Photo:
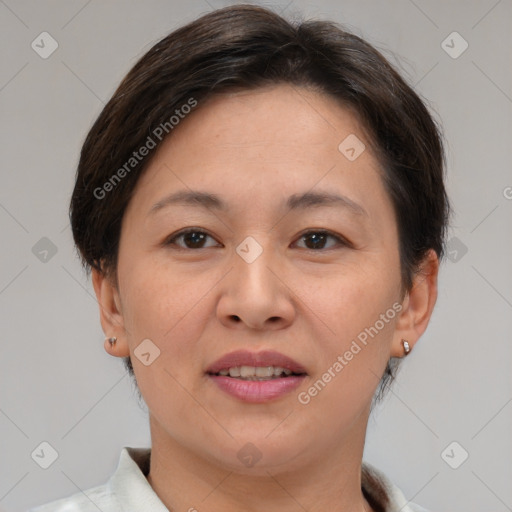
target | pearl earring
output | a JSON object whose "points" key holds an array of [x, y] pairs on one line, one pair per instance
{"points": [[112, 341]]}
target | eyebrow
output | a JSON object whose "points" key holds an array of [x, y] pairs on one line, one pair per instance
{"points": [[294, 202]]}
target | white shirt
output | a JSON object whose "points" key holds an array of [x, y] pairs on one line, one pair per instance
{"points": [[128, 490]]}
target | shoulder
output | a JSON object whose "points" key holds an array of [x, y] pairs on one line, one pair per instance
{"points": [[127, 489], [384, 493], [104, 497], [91, 500], [416, 508]]}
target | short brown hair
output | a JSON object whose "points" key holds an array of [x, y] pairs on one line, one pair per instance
{"points": [[246, 47]]}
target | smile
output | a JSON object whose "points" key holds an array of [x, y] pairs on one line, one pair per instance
{"points": [[256, 372]]}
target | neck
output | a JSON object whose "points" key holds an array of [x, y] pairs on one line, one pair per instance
{"points": [[186, 481]]}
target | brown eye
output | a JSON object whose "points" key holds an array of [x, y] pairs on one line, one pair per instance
{"points": [[192, 239], [316, 240]]}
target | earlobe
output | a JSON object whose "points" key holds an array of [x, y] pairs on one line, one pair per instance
{"points": [[111, 315], [418, 306]]}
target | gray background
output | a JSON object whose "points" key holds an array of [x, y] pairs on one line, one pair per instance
{"points": [[58, 384]]}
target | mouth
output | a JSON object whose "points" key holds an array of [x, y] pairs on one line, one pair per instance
{"points": [[256, 376], [264, 365], [259, 373]]}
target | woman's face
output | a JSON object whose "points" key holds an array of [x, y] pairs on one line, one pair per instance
{"points": [[259, 274]]}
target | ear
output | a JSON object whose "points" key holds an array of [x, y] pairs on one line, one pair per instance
{"points": [[111, 315], [417, 306]]}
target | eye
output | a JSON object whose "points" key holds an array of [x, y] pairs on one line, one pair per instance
{"points": [[317, 239], [192, 237]]}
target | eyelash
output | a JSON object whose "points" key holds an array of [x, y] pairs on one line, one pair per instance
{"points": [[340, 240]]}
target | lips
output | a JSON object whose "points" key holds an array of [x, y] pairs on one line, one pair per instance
{"points": [[257, 359], [288, 375]]}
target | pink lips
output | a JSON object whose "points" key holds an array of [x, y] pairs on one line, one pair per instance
{"points": [[246, 358], [256, 391]]}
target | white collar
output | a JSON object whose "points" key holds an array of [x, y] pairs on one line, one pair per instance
{"points": [[130, 486]]}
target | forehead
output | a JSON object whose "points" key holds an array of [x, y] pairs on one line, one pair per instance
{"points": [[261, 145], [280, 115]]}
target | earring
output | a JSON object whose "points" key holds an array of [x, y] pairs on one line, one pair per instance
{"points": [[112, 341], [407, 347]]}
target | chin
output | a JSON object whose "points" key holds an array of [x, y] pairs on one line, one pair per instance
{"points": [[260, 456]]}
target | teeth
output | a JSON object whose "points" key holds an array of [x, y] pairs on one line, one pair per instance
{"points": [[247, 372], [234, 372], [261, 371]]}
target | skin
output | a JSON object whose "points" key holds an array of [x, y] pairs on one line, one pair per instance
{"points": [[254, 149]]}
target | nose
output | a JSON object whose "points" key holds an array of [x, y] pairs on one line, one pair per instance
{"points": [[255, 293]]}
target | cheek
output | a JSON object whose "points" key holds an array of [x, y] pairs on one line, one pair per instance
{"points": [[155, 297], [354, 299], [352, 362], [169, 307], [357, 311], [165, 308]]}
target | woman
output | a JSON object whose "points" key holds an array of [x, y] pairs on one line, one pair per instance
{"points": [[263, 210]]}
